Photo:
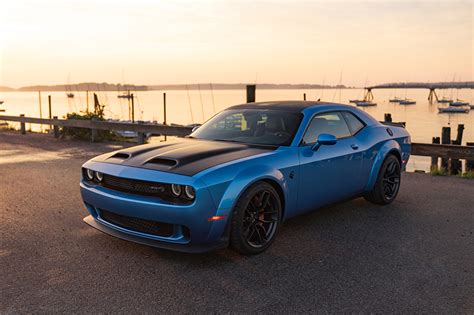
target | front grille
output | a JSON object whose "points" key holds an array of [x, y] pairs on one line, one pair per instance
{"points": [[134, 186], [138, 225]]}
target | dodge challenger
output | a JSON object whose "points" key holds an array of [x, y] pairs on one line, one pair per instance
{"points": [[236, 179]]}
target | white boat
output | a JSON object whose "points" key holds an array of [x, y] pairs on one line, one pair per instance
{"points": [[366, 103], [451, 109], [407, 102]]}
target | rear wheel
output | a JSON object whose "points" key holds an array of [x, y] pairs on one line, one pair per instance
{"points": [[388, 182], [255, 219]]}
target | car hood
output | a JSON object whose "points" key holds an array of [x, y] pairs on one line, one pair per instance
{"points": [[183, 156]]}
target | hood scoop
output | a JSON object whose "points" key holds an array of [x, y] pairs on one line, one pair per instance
{"points": [[162, 162], [120, 156]]}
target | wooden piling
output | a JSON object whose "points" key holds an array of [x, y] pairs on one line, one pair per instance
{"points": [[94, 132], [456, 165], [304, 96], [133, 107], [251, 93], [470, 163], [141, 138], [22, 126], [56, 129], [434, 159], [50, 112], [445, 139], [164, 110], [40, 110]]}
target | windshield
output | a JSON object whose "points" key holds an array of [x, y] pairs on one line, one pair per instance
{"points": [[256, 126]]}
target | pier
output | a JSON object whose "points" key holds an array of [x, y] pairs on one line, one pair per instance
{"points": [[432, 87]]}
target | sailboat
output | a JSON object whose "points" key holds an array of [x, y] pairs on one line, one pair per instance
{"points": [[69, 93], [407, 101]]}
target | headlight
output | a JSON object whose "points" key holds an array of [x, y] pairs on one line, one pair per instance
{"points": [[176, 190], [90, 174], [99, 176], [189, 192]]}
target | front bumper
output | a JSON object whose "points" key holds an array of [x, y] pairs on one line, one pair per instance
{"points": [[187, 248], [191, 229]]}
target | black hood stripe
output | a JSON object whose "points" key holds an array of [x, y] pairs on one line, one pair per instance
{"points": [[184, 156]]}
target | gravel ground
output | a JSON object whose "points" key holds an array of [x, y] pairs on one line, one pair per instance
{"points": [[414, 256]]}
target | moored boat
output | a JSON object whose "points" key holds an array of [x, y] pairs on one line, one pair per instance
{"points": [[451, 109], [407, 102], [458, 102], [365, 103], [395, 100], [355, 101], [445, 100]]}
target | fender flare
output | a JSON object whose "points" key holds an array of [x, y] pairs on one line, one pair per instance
{"points": [[244, 180], [387, 148]]}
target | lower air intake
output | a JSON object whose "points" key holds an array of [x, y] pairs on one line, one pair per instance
{"points": [[138, 225]]}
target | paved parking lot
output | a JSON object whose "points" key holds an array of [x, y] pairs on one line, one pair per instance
{"points": [[416, 255]]}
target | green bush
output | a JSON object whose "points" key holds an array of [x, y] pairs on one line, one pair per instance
{"points": [[84, 133]]}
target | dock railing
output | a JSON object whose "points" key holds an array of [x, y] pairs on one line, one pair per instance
{"points": [[141, 128]]}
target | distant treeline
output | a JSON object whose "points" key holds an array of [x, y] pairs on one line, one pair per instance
{"points": [[92, 86], [87, 86]]}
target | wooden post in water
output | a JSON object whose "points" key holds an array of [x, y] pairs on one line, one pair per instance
{"points": [[87, 101], [251, 93], [164, 110], [133, 108], [470, 163], [56, 129], [434, 159], [387, 117], [50, 113], [445, 139], [456, 165], [22, 126], [304, 96]]}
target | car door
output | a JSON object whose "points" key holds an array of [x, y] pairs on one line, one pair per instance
{"points": [[330, 173]]}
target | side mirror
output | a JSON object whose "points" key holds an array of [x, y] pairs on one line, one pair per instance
{"points": [[324, 139], [195, 128]]}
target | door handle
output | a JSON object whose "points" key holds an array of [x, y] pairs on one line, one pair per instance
{"points": [[354, 146]]}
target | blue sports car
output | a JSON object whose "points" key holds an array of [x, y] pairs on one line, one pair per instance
{"points": [[239, 176]]}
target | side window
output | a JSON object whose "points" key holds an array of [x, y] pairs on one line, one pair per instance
{"points": [[332, 123], [354, 123]]}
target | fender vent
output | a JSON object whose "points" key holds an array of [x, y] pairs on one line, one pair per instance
{"points": [[160, 161]]}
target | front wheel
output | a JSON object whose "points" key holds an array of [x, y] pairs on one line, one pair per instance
{"points": [[255, 219], [388, 182]]}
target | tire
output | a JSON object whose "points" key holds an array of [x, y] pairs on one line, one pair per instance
{"points": [[387, 184], [256, 219]]}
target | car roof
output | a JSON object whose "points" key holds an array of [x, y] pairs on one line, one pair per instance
{"points": [[291, 106]]}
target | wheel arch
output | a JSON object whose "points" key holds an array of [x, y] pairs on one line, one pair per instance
{"points": [[391, 147], [246, 179]]}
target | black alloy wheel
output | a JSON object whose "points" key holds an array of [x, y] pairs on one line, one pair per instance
{"points": [[256, 219], [387, 185]]}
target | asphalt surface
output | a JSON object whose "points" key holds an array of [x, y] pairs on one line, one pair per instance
{"points": [[414, 256]]}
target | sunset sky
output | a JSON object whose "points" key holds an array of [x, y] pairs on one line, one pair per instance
{"points": [[160, 42]]}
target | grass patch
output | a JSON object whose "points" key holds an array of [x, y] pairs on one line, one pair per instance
{"points": [[468, 174], [439, 171]]}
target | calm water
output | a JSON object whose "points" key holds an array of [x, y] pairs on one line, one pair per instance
{"points": [[423, 120]]}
